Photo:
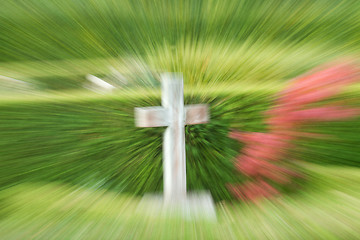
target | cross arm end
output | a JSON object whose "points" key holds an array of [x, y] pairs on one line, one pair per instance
{"points": [[150, 117], [196, 114]]}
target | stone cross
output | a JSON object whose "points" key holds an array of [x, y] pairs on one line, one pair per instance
{"points": [[173, 115]]}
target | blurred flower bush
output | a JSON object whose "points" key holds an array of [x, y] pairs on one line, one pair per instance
{"points": [[264, 159]]}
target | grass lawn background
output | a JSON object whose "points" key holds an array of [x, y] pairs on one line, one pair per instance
{"points": [[71, 161]]}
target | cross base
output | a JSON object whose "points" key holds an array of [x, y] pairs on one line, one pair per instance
{"points": [[196, 206]]}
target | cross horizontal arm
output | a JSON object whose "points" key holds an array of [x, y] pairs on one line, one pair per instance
{"points": [[151, 117], [196, 114]]}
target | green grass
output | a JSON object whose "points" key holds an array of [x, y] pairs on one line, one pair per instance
{"points": [[329, 209], [103, 28], [210, 42]]}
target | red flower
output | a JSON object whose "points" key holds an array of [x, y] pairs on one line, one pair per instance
{"points": [[285, 120]]}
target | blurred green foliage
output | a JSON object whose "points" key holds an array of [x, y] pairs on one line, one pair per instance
{"points": [[93, 141], [45, 30], [209, 41], [90, 143]]}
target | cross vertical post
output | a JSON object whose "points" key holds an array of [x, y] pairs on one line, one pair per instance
{"points": [[174, 162]]}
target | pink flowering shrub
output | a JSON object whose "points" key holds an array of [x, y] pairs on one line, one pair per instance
{"points": [[263, 156]]}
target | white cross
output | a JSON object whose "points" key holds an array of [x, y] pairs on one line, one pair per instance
{"points": [[174, 115]]}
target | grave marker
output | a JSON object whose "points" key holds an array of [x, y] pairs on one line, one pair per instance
{"points": [[174, 115]]}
